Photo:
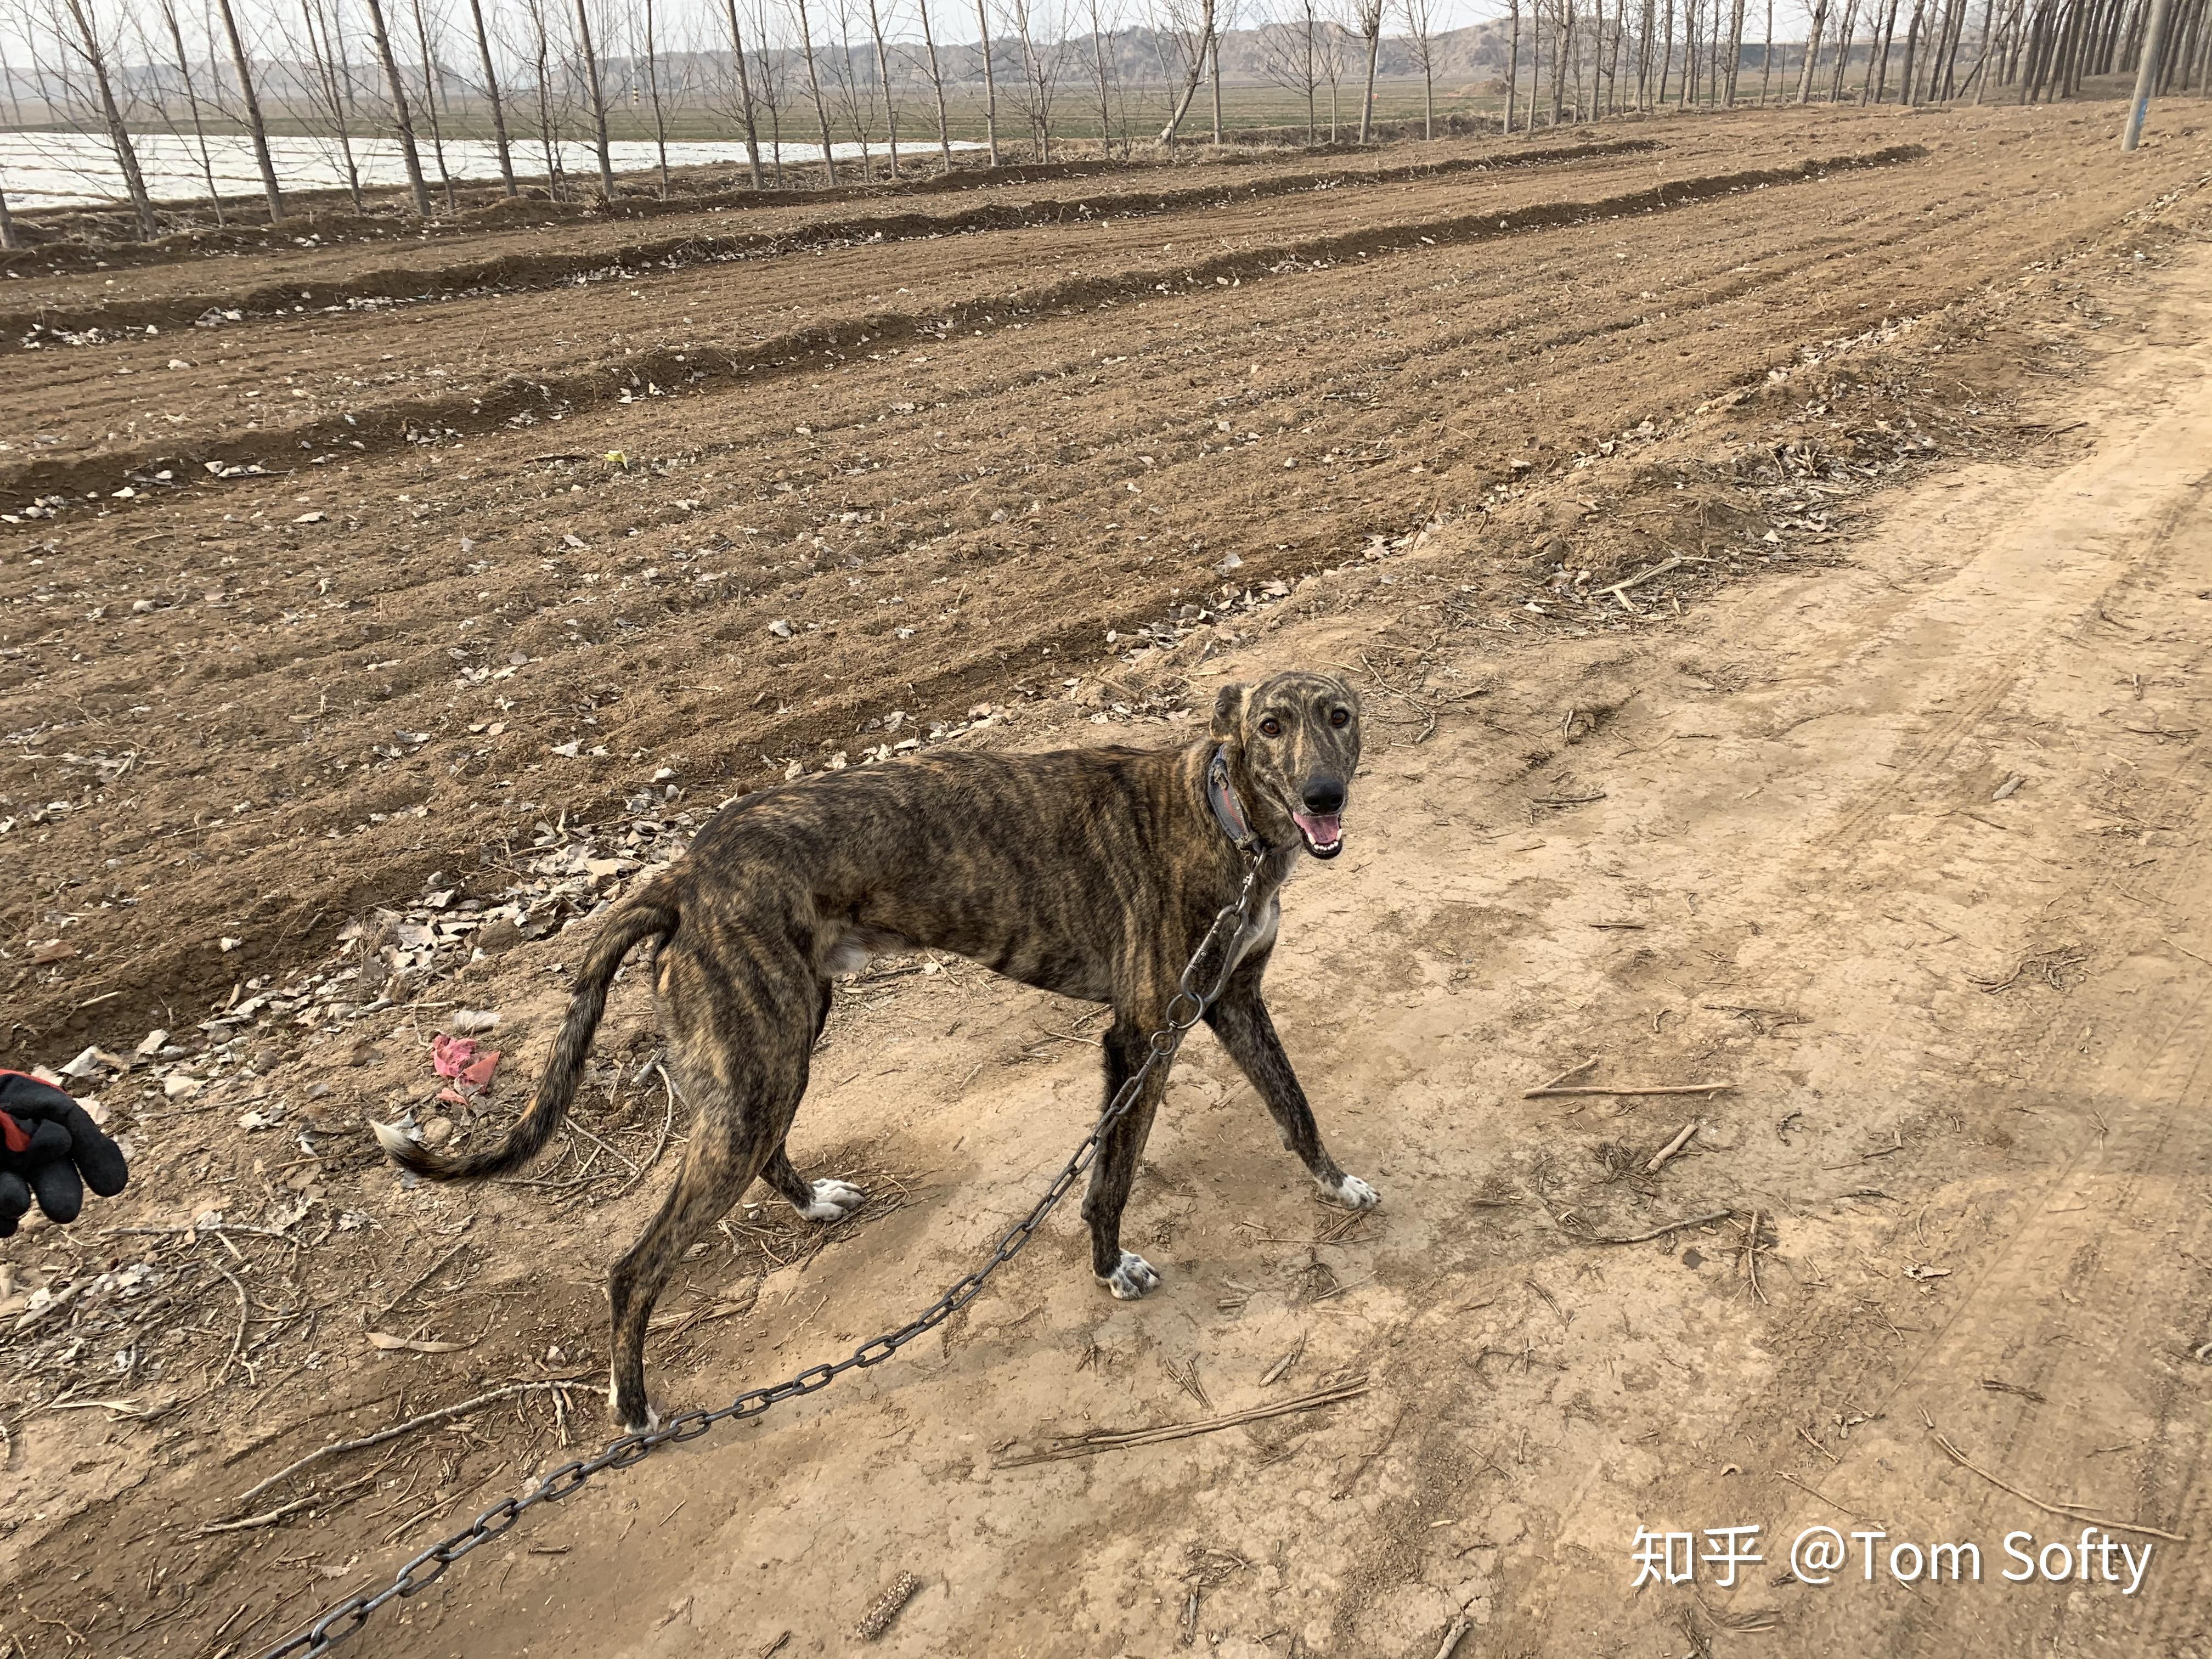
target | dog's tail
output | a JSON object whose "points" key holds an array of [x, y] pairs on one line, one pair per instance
{"points": [[652, 914]]}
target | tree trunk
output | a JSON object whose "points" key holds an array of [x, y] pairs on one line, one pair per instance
{"points": [[599, 99], [1214, 57], [89, 46], [193, 106], [430, 103], [324, 52], [1181, 108], [745, 89], [491, 96], [8, 239], [884, 74], [402, 125], [1513, 66], [1911, 50], [1812, 50], [1367, 99], [814, 86], [991, 89], [1734, 50], [254, 124], [937, 81]]}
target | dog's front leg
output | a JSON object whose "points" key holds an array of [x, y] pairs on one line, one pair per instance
{"points": [[1240, 1020], [1125, 1273]]}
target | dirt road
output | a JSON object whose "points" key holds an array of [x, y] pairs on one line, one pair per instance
{"points": [[1886, 814]]}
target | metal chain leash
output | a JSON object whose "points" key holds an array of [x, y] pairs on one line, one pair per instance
{"points": [[1184, 1010]]}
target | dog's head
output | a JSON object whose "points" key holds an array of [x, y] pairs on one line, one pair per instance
{"points": [[1293, 743]]}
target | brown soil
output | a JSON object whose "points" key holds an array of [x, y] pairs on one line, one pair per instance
{"points": [[1931, 427]]}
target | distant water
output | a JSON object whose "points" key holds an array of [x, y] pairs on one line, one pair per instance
{"points": [[73, 169]]}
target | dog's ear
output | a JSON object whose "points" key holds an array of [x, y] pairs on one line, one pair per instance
{"points": [[1229, 713]]}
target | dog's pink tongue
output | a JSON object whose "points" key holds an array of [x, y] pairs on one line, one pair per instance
{"points": [[1321, 828]]}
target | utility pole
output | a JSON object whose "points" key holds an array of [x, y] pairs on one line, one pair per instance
{"points": [[2146, 76]]}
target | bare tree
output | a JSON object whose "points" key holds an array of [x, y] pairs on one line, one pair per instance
{"points": [[396, 89], [1370, 15], [1812, 50], [430, 79], [1513, 59], [936, 82], [1291, 53], [541, 63], [492, 97], [814, 86], [884, 75], [78, 32], [990, 82], [1734, 50], [1098, 62], [1042, 62], [652, 93], [1222, 24], [174, 26], [858, 101], [327, 93], [1188, 27], [1845, 36], [774, 67], [589, 54], [1330, 55], [1420, 37], [255, 125], [744, 93]]}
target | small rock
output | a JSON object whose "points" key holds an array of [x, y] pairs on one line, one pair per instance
{"points": [[437, 1131]]}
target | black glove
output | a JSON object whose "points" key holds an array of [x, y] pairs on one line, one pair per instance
{"points": [[50, 1150]]}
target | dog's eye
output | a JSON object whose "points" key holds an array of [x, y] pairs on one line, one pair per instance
{"points": [[1340, 717], [1271, 727]]}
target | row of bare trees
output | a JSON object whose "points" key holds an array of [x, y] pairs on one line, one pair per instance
{"points": [[1585, 62], [354, 80]]}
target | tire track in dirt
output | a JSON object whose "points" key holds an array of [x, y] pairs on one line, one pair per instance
{"points": [[800, 351]]}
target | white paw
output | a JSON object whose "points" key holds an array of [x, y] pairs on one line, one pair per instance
{"points": [[1133, 1278], [1354, 1194], [652, 1415], [832, 1200]]}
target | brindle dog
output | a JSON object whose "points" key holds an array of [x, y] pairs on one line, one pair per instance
{"points": [[1090, 872]]}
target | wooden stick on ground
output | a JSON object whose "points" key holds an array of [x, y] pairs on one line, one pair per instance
{"points": [[1659, 1159], [2070, 1512], [1453, 1638], [270, 1517], [1088, 1445], [1657, 1233], [1672, 561], [1630, 1088], [337, 1448]]}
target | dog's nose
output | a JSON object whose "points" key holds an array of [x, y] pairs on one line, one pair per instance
{"points": [[1324, 795]]}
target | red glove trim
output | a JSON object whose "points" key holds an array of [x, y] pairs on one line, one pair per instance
{"points": [[13, 1135]]}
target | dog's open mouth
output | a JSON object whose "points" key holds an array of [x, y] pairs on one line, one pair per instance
{"points": [[1324, 832]]}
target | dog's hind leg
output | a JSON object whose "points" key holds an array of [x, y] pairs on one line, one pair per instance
{"points": [[817, 1200], [738, 1054], [1240, 1020], [1125, 1273]]}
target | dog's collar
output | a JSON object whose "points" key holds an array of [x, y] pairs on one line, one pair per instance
{"points": [[1228, 810]]}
